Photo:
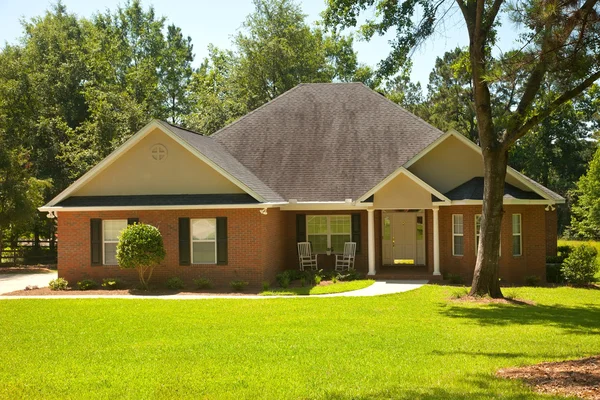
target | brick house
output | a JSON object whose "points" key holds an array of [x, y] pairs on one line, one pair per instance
{"points": [[325, 163]]}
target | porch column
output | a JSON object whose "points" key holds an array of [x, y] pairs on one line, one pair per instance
{"points": [[436, 241], [371, 237]]}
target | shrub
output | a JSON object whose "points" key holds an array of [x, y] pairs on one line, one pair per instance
{"points": [[238, 286], [532, 280], [266, 286], [58, 284], [455, 279], [334, 279], [303, 281], [580, 266], [141, 247], [562, 252], [87, 284], [112, 283], [174, 283], [349, 276], [317, 279], [203, 283], [283, 279]]}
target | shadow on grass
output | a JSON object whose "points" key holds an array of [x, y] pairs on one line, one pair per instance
{"points": [[480, 387], [575, 319]]}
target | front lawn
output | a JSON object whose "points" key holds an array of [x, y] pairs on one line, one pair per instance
{"points": [[338, 287], [413, 345]]}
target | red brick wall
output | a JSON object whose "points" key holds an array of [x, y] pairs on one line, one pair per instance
{"points": [[551, 232], [255, 247], [512, 268]]}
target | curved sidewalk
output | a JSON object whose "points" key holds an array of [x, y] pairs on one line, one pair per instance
{"points": [[376, 289]]}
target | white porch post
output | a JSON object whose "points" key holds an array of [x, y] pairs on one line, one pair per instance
{"points": [[371, 237], [436, 241]]}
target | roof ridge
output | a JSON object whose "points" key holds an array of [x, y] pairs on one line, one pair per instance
{"points": [[245, 116], [183, 128]]}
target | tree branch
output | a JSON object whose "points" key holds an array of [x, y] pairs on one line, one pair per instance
{"points": [[537, 118], [492, 17]]}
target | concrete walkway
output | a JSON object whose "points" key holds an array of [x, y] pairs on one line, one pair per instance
{"points": [[12, 282], [376, 289]]}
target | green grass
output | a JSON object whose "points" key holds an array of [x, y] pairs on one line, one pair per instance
{"points": [[313, 290], [593, 243], [413, 345]]}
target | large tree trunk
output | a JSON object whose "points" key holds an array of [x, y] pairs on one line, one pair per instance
{"points": [[486, 277]]}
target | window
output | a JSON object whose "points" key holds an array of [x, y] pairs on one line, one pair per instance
{"points": [[204, 241], [111, 229], [457, 235], [328, 231], [516, 234]]}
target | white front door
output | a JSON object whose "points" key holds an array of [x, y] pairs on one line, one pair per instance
{"points": [[401, 240]]}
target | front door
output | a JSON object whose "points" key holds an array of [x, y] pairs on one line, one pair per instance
{"points": [[400, 236]]}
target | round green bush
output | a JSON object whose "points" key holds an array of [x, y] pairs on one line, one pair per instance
{"points": [[580, 266], [141, 247], [58, 284]]}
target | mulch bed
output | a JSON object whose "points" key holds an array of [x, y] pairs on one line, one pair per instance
{"points": [[580, 378], [45, 291], [489, 300]]}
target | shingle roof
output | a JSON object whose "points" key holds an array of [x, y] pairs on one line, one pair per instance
{"points": [[157, 200], [473, 190], [326, 142], [220, 156], [552, 195]]}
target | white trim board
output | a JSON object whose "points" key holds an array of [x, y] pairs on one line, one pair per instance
{"points": [[132, 141]]}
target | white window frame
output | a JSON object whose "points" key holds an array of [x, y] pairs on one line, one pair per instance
{"points": [[520, 234], [329, 234], [192, 240], [108, 241], [454, 234]]}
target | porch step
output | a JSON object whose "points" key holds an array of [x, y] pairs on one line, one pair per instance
{"points": [[406, 277]]}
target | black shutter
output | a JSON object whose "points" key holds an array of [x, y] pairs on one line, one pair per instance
{"points": [[131, 221], [356, 231], [96, 240], [300, 228], [221, 240], [184, 241]]}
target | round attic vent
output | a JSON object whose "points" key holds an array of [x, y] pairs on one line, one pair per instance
{"points": [[158, 152]]}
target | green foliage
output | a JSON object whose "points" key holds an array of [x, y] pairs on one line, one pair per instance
{"points": [[455, 279], [58, 284], [112, 283], [238, 285], [585, 220], [203, 283], [554, 273], [266, 286], [532, 280], [174, 283], [581, 266], [87, 284], [141, 247], [317, 279]]}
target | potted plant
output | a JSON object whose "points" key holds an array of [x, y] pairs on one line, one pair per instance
{"points": [[329, 250]]}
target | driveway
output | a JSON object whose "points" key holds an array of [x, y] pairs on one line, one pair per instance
{"points": [[12, 282]]}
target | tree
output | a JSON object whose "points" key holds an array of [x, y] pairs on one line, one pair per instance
{"points": [[275, 51], [585, 218], [141, 247], [559, 55]]}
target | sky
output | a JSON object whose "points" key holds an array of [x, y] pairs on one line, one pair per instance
{"points": [[216, 21]]}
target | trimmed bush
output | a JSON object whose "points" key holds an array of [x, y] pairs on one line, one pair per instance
{"points": [[174, 283], [238, 286], [112, 283], [203, 283], [532, 280], [87, 284], [266, 286], [580, 266], [455, 279], [141, 247], [58, 284]]}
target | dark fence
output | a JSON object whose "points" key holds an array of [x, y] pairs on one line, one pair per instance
{"points": [[27, 252]]}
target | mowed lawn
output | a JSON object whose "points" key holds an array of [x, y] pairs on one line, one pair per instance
{"points": [[413, 345]]}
